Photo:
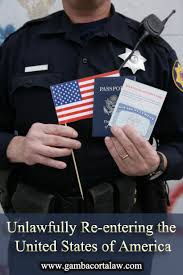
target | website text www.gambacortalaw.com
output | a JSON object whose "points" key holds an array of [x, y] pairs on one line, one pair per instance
{"points": [[83, 266]]}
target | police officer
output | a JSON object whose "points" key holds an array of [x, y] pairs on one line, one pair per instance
{"points": [[83, 40]]}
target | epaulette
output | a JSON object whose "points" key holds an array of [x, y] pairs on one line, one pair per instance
{"points": [[30, 23], [42, 19], [135, 25], [162, 43], [12, 35]]}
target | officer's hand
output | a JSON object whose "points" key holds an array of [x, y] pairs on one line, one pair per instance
{"points": [[42, 144], [133, 155]]}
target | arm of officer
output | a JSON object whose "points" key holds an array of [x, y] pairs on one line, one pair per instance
{"points": [[6, 112], [42, 144], [142, 158], [170, 127]]}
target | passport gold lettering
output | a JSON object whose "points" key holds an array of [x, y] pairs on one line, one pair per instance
{"points": [[110, 89]]}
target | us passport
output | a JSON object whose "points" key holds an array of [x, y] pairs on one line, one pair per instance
{"points": [[106, 93]]}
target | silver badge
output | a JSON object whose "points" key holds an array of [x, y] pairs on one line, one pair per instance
{"points": [[136, 62]]}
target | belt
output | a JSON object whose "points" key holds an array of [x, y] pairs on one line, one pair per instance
{"points": [[118, 196]]}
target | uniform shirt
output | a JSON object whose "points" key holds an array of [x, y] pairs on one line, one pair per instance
{"points": [[72, 53]]}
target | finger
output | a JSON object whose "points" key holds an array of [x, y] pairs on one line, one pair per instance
{"points": [[119, 148], [125, 142], [51, 162], [53, 152], [60, 130], [112, 150], [127, 166], [121, 151], [143, 146], [64, 142]]}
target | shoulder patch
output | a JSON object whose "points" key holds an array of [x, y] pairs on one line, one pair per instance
{"points": [[177, 74]]}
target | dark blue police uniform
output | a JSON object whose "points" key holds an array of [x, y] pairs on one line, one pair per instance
{"points": [[72, 52]]}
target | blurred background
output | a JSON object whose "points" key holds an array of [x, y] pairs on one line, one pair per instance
{"points": [[14, 13]]}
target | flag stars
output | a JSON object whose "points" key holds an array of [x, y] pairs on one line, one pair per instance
{"points": [[66, 93]]}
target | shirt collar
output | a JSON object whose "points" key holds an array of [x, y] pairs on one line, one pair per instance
{"points": [[122, 28], [117, 26]]}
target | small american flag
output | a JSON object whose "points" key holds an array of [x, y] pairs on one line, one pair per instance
{"points": [[74, 100]]}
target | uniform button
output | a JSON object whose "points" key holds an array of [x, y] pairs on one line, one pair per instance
{"points": [[134, 201], [85, 60], [28, 83], [135, 197]]}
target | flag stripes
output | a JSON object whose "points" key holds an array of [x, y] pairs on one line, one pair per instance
{"points": [[74, 100]]}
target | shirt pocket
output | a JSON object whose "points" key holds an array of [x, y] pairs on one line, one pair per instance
{"points": [[35, 80], [30, 96]]}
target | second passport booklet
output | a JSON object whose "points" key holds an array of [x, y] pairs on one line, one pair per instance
{"points": [[106, 93]]}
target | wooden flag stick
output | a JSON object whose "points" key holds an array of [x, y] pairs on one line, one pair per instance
{"points": [[77, 173]]}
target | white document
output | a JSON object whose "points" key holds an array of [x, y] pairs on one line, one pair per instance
{"points": [[138, 105]]}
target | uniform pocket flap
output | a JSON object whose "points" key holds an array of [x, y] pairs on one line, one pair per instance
{"points": [[39, 80]]}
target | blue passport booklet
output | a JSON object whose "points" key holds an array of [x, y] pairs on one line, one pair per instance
{"points": [[106, 93]]}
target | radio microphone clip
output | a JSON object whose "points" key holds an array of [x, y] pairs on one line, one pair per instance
{"points": [[150, 26]]}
